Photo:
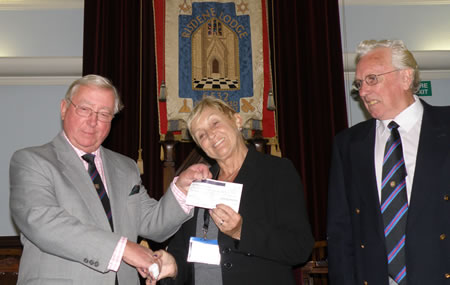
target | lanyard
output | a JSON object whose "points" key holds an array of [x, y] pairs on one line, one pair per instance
{"points": [[205, 222]]}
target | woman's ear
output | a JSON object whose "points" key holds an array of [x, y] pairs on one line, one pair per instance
{"points": [[238, 121]]}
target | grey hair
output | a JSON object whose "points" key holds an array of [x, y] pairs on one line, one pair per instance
{"points": [[402, 58], [97, 81]]}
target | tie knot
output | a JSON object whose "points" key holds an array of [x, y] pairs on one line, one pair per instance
{"points": [[393, 125], [89, 158]]}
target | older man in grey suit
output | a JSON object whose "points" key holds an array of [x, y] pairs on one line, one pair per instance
{"points": [[73, 234]]}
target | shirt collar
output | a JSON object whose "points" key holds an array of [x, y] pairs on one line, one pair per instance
{"points": [[406, 119], [79, 152]]}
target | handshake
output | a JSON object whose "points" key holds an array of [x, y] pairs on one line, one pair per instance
{"points": [[153, 265]]}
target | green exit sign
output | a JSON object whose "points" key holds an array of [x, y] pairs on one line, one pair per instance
{"points": [[425, 88]]}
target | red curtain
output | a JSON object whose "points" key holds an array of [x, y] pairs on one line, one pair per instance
{"points": [[308, 70], [111, 48], [308, 74]]}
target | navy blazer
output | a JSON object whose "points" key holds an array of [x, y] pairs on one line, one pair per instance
{"points": [[356, 243], [275, 233]]}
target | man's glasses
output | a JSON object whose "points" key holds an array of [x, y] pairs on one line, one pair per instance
{"points": [[86, 112], [371, 79]]}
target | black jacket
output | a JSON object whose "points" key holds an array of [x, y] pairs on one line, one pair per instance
{"points": [[275, 233]]}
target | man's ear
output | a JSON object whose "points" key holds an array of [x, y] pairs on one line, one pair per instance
{"points": [[407, 78], [63, 108]]}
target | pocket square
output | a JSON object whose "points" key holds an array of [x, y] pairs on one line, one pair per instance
{"points": [[135, 189]]}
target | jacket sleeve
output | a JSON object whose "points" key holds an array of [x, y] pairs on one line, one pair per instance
{"points": [[341, 257], [275, 221]]}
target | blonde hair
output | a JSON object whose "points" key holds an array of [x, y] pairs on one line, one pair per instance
{"points": [[209, 102]]}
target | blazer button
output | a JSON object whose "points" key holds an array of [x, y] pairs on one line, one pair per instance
{"points": [[96, 264], [357, 211], [442, 236], [226, 250], [446, 197], [447, 275], [86, 260], [91, 262], [228, 265]]}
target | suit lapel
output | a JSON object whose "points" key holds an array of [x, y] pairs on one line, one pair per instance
{"points": [[115, 181], [73, 169], [432, 160], [363, 156]]}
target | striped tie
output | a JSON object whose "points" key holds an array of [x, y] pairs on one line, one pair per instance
{"points": [[394, 204], [98, 184]]}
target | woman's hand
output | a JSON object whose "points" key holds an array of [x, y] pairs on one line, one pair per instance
{"points": [[227, 220], [167, 267]]}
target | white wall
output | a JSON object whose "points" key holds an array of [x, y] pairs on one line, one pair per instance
{"points": [[40, 54], [424, 27]]}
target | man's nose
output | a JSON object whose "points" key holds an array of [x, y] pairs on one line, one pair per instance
{"points": [[93, 118], [364, 89]]}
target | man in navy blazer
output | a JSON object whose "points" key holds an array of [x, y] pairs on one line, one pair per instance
{"points": [[387, 77]]}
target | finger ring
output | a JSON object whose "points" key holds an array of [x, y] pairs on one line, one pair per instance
{"points": [[221, 222]]}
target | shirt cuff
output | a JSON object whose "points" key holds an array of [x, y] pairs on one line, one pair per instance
{"points": [[180, 196], [116, 258]]}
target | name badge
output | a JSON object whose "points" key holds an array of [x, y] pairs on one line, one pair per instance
{"points": [[203, 251]]}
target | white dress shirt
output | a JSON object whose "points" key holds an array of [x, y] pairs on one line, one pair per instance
{"points": [[410, 122]]}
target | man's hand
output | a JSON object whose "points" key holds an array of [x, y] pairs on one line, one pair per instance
{"points": [[192, 173], [139, 257]]}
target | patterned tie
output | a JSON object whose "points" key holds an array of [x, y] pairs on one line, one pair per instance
{"points": [[98, 184], [394, 204]]}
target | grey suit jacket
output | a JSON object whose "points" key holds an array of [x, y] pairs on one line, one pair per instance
{"points": [[64, 230]]}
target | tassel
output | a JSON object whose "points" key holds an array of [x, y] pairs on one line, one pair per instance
{"points": [[161, 155], [140, 162], [275, 149], [270, 101], [162, 92]]}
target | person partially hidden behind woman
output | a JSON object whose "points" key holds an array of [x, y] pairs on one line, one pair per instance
{"points": [[270, 234]]}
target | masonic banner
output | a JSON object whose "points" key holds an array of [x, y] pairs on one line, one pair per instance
{"points": [[213, 48]]}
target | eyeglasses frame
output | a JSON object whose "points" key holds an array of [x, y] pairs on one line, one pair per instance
{"points": [[90, 112], [368, 76]]}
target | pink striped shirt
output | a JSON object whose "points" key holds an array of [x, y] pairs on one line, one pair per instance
{"points": [[180, 196]]}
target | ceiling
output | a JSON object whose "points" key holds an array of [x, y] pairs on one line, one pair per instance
{"points": [[393, 2], [72, 4], [40, 4]]}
